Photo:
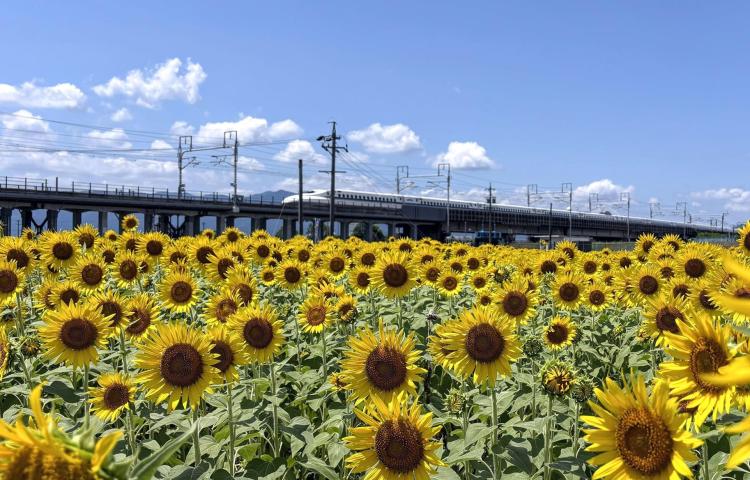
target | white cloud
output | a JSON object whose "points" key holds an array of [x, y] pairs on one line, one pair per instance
{"points": [[297, 149], [377, 138], [605, 188], [115, 138], [734, 199], [181, 128], [164, 82], [161, 145], [249, 129], [25, 120], [465, 155], [121, 115], [62, 95], [344, 181]]}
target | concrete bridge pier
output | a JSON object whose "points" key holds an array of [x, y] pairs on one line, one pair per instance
{"points": [[287, 228], [26, 218], [221, 224], [258, 223], [344, 229], [52, 219], [148, 222], [229, 222], [103, 219], [5, 216], [191, 225], [77, 214]]}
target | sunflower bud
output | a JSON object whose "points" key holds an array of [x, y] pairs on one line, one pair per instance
{"points": [[455, 401], [432, 317], [532, 347], [582, 390], [557, 377]]}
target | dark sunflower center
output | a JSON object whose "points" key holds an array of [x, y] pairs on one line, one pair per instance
{"points": [[426, 259], [644, 442], [675, 246], [78, 334], [548, 266], [181, 292], [154, 247], [479, 282], [62, 250], [707, 356], [224, 309], [706, 300], [484, 343], [181, 365], [337, 264], [746, 242], [21, 258], [131, 223], [8, 281], [263, 251], [140, 320], [86, 239], [368, 259], [680, 290], [472, 263], [666, 319], [202, 254], [345, 308], [112, 308], [742, 292], [515, 304], [386, 368], [245, 292], [404, 247], [695, 268], [92, 274], [223, 266], [69, 295], [557, 334], [569, 252], [569, 292], [130, 244], [224, 352], [116, 395], [108, 256], [648, 285], [303, 255], [450, 283], [589, 267], [363, 279], [292, 275], [395, 275], [666, 273], [128, 269], [258, 333], [625, 262], [432, 274], [399, 446], [268, 276], [316, 315], [176, 257], [596, 297], [457, 267], [233, 236], [647, 245]]}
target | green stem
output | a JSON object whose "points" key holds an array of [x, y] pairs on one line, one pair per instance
{"points": [[296, 339], [548, 441], [533, 388], [86, 411], [123, 352], [467, 406], [400, 313], [196, 437], [704, 460], [275, 411], [129, 428], [232, 433], [495, 472], [325, 369], [576, 429]]}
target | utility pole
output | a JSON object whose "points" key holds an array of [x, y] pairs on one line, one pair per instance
{"points": [[549, 241], [490, 201], [329, 145], [446, 167], [722, 222], [595, 198], [299, 201], [653, 207], [626, 195], [228, 136], [531, 189], [185, 145], [568, 187], [684, 217], [399, 170]]}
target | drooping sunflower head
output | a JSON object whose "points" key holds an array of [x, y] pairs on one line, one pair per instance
{"points": [[177, 366], [316, 313], [129, 223], [557, 377], [178, 292], [699, 348], [346, 309], [260, 330], [74, 333], [481, 343], [393, 274], [637, 435], [559, 333], [114, 394], [382, 364], [228, 348], [395, 441]]}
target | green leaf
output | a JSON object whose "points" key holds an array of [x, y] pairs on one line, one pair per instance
{"points": [[320, 467], [62, 390], [146, 468], [221, 474], [446, 473], [519, 457]]}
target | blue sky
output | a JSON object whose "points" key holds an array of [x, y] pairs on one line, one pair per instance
{"points": [[649, 98]]}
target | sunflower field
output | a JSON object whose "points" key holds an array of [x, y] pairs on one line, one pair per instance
{"points": [[135, 356]]}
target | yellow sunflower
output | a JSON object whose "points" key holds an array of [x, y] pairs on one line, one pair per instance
{"points": [[568, 290], [152, 245], [393, 275], [663, 315], [346, 308], [699, 348], [315, 314], [290, 274], [734, 289], [395, 443], [644, 243], [449, 283], [129, 222], [178, 292], [73, 334], [89, 272], [42, 451], [11, 280], [645, 282], [743, 239], [429, 273], [114, 308], [200, 249], [240, 281], [142, 317], [126, 268], [515, 300], [86, 235], [221, 306], [59, 249], [481, 343], [228, 347], [261, 332], [13, 249], [382, 365], [360, 279], [177, 366], [559, 333], [65, 292], [598, 296], [114, 394], [219, 264], [636, 435]]}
